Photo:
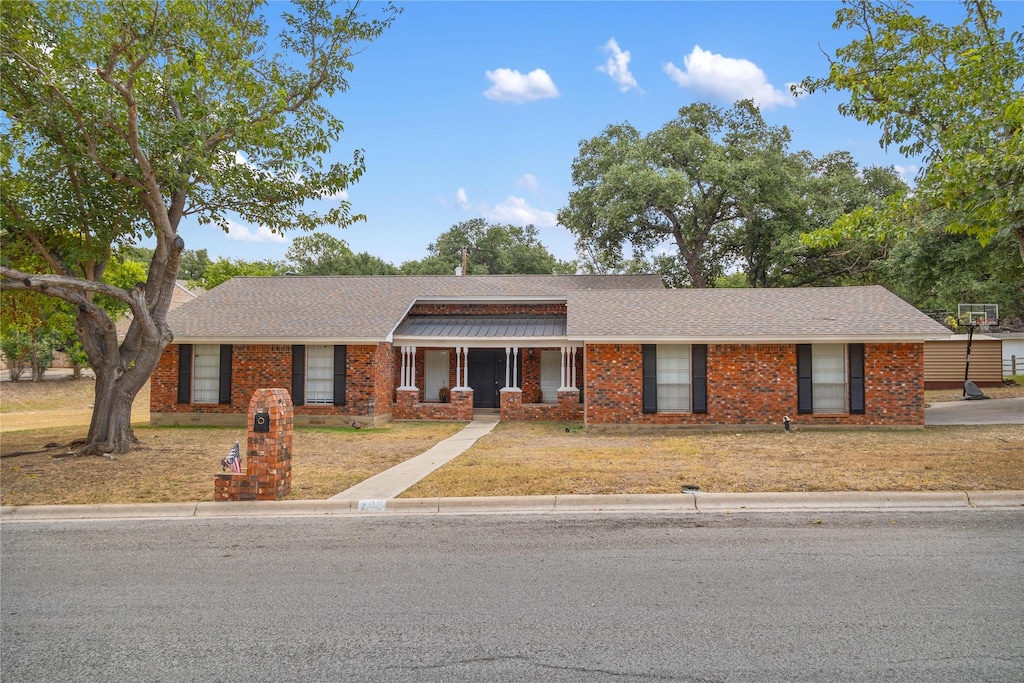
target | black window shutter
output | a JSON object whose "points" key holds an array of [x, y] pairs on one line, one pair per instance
{"points": [[699, 368], [339, 374], [650, 377], [298, 375], [856, 360], [804, 380], [225, 373], [184, 373]]}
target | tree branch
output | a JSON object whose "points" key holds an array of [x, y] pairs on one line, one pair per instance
{"points": [[69, 289]]}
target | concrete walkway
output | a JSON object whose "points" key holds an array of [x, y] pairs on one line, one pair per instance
{"points": [[389, 483], [681, 503], [1002, 411]]}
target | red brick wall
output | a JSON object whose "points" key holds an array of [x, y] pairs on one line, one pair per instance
{"points": [[408, 407], [755, 385], [259, 366], [383, 371], [567, 409]]}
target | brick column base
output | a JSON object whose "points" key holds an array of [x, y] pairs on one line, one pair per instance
{"points": [[569, 407], [405, 404], [462, 404], [511, 404], [268, 462]]}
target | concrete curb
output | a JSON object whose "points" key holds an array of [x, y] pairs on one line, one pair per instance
{"points": [[689, 503]]}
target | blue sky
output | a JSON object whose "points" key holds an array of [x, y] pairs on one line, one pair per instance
{"points": [[476, 109]]}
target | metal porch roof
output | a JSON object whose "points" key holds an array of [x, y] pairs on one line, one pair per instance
{"points": [[479, 327]]}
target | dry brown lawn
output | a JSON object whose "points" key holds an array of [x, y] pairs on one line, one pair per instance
{"points": [[174, 463], [179, 463], [538, 459]]}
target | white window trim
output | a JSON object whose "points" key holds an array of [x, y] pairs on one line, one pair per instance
{"points": [[687, 385], [845, 384], [319, 397], [201, 385]]}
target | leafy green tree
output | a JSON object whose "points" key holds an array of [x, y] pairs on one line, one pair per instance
{"points": [[834, 186], [26, 333], [193, 264], [950, 93], [123, 118], [490, 250], [679, 190], [771, 207], [595, 261], [322, 254], [935, 270], [223, 269]]}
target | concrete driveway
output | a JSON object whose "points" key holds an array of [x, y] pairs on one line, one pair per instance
{"points": [[994, 411]]}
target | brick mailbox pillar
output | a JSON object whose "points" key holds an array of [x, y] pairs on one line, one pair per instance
{"points": [[268, 462]]}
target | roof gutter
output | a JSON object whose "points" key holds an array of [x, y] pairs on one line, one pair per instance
{"points": [[759, 339]]}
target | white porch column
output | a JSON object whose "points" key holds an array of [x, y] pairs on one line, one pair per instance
{"points": [[408, 367], [572, 365], [508, 365], [563, 374], [461, 366], [515, 367]]}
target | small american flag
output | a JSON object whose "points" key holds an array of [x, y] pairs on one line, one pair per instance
{"points": [[234, 460]]}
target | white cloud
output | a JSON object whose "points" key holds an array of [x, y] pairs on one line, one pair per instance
{"points": [[337, 196], [728, 79], [517, 211], [512, 86], [906, 172], [528, 181], [617, 66], [240, 233], [461, 199]]}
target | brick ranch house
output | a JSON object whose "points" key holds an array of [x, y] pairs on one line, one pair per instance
{"points": [[601, 349]]}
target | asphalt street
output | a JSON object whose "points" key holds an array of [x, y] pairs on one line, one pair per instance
{"points": [[801, 596]]}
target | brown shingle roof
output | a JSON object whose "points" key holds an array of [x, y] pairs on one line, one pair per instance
{"points": [[356, 308], [754, 315]]}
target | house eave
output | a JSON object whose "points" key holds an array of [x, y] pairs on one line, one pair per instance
{"points": [[480, 342], [355, 341], [753, 339]]}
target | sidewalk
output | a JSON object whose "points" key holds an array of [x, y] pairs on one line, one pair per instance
{"points": [[675, 503], [390, 483], [50, 374]]}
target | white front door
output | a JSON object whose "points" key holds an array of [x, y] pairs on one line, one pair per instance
{"points": [[550, 375], [436, 368]]}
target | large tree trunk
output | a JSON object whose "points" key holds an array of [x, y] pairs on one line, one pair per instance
{"points": [[119, 378], [110, 430], [122, 369], [1019, 232]]}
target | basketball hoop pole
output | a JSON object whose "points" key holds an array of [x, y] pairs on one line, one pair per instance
{"points": [[967, 365]]}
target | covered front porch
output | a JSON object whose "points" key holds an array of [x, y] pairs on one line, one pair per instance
{"points": [[522, 367]]}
